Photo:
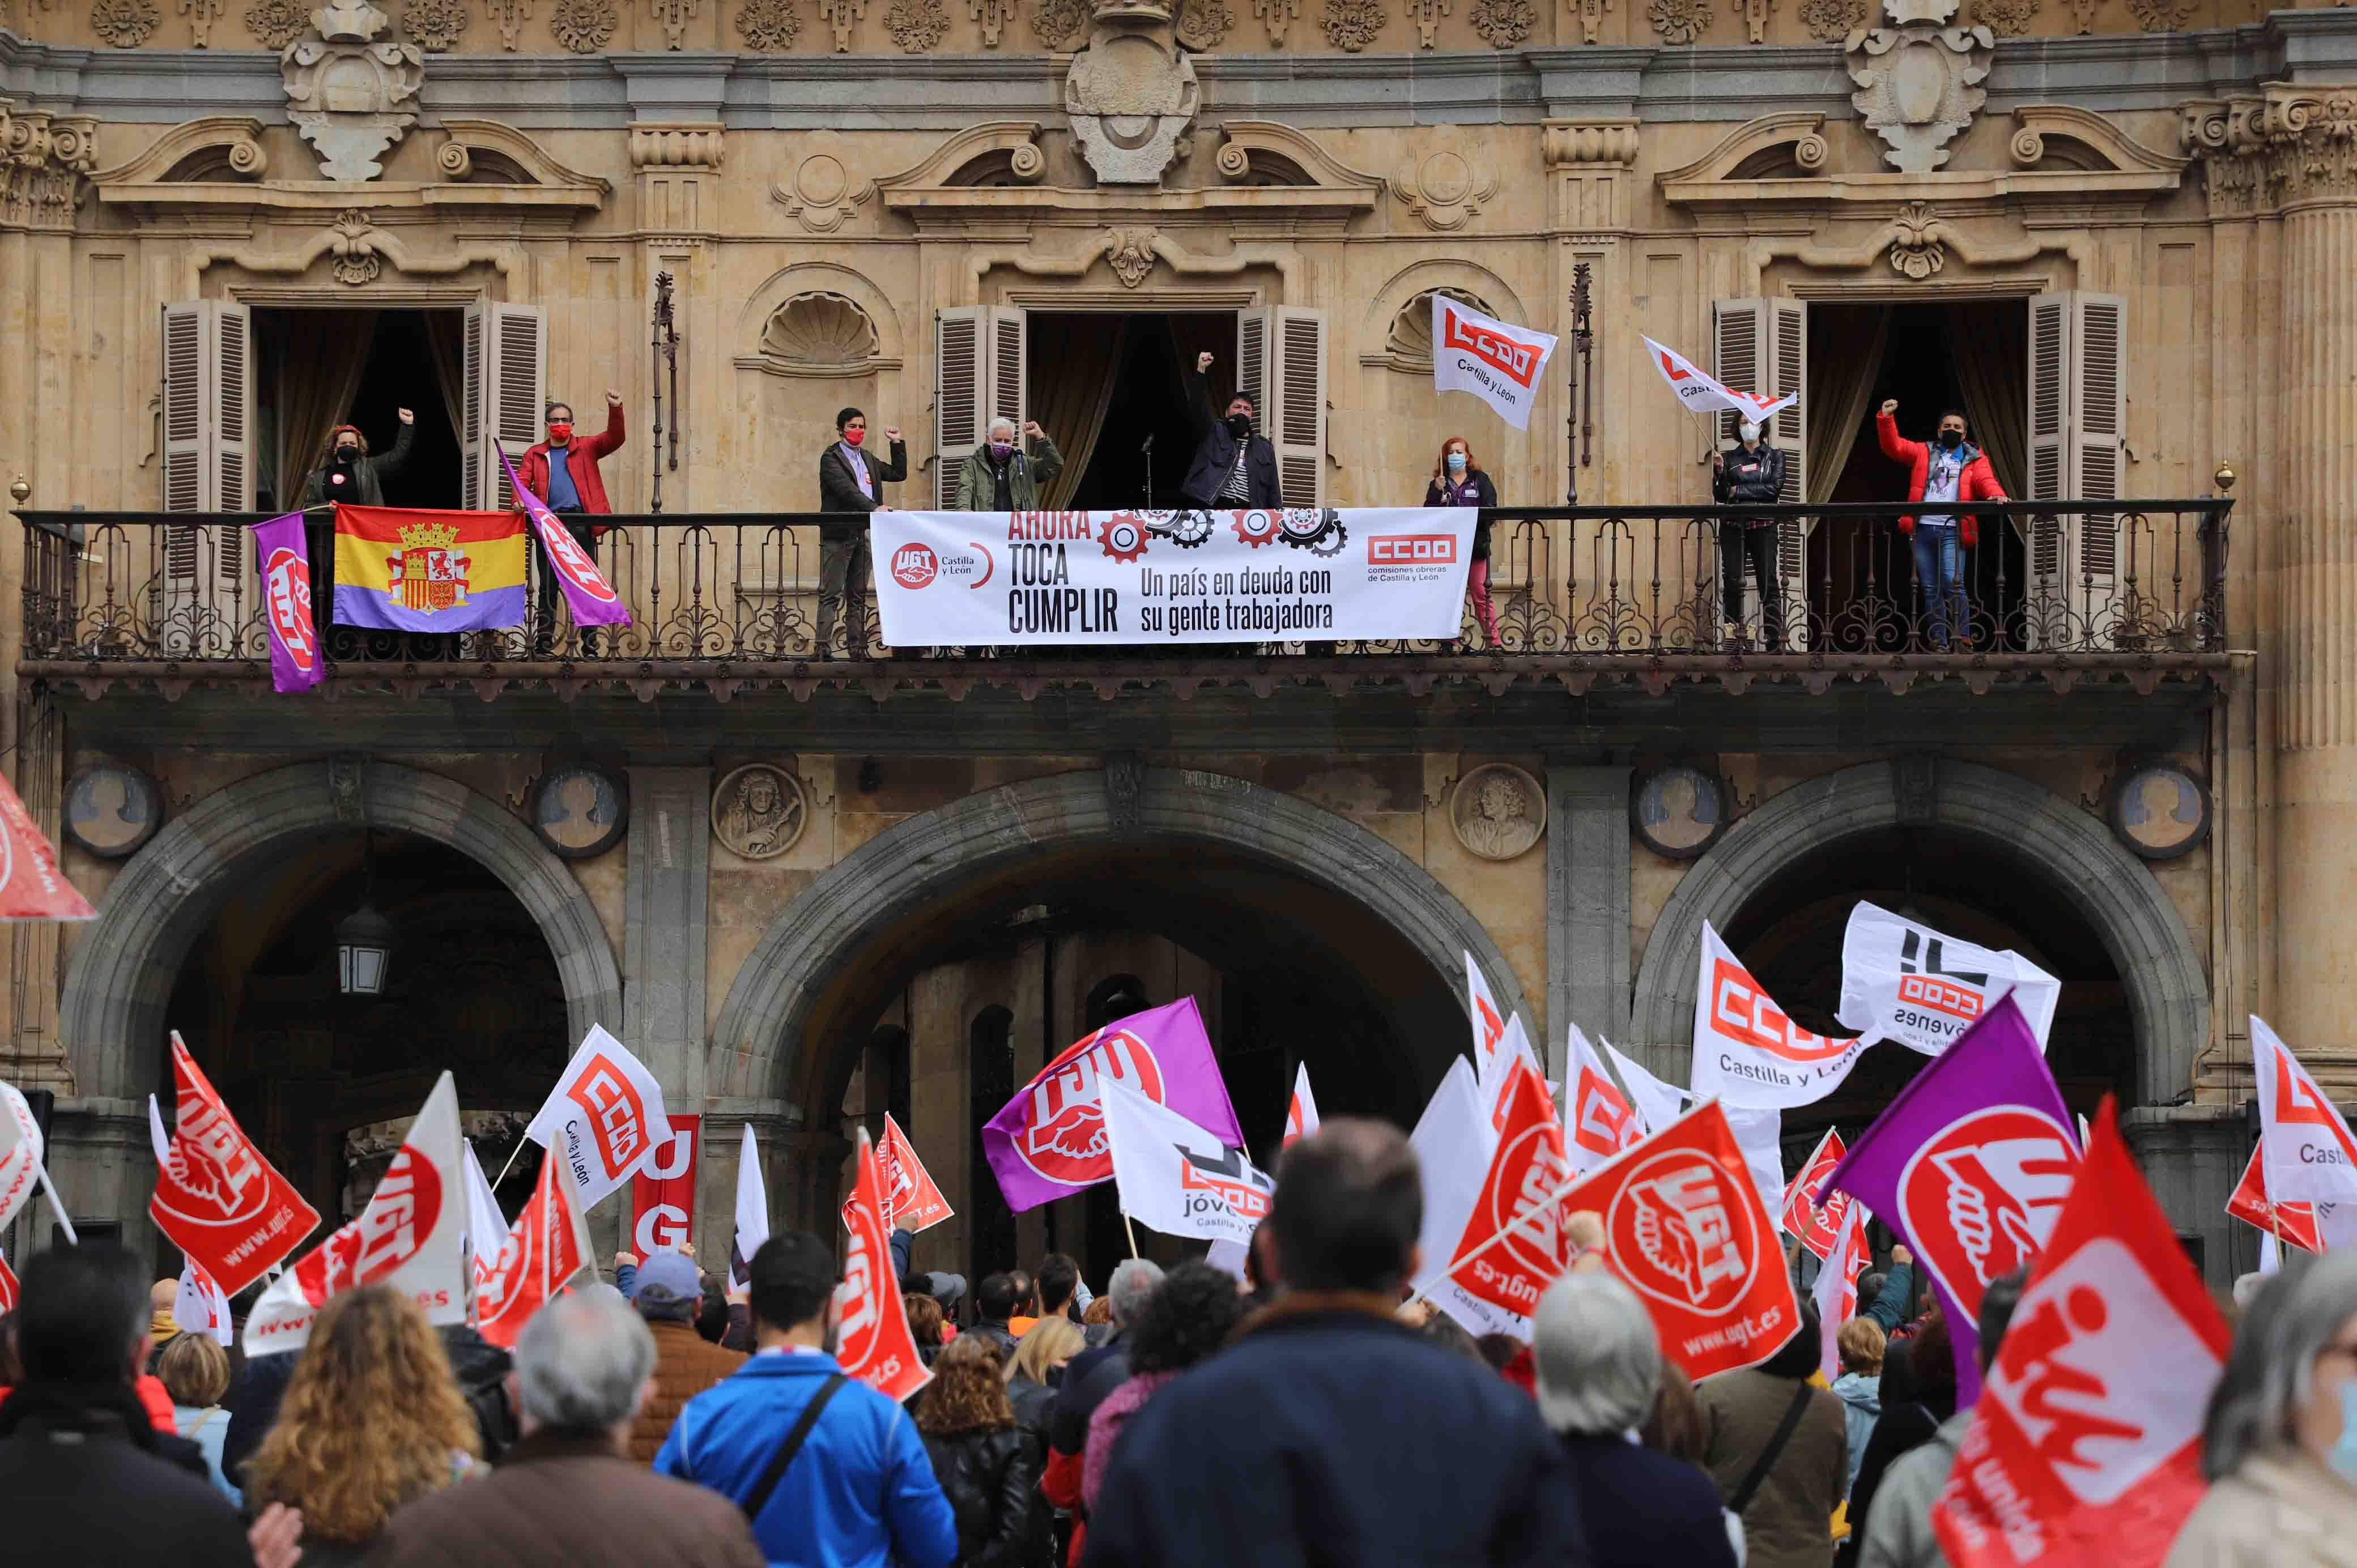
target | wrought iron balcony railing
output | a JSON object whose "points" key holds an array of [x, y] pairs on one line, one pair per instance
{"points": [[2135, 585]]}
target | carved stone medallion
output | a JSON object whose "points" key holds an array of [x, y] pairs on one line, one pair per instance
{"points": [[1060, 23], [580, 811], [437, 25], [1352, 25], [758, 812], [274, 23], [585, 26], [1503, 24], [1678, 21], [1498, 811], [1918, 81], [124, 24], [1203, 22], [110, 811], [767, 26], [1831, 21], [917, 25]]}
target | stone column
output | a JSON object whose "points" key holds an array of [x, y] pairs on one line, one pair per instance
{"points": [[1587, 904], [663, 927], [2291, 152]]}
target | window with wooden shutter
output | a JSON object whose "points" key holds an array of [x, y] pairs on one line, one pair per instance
{"points": [[2078, 407], [1762, 346], [1293, 413], [1251, 361], [506, 370], [979, 369], [207, 357]]}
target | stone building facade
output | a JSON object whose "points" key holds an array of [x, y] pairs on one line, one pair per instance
{"points": [[2122, 232]]}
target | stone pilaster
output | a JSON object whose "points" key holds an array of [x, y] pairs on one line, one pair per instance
{"points": [[663, 927], [1587, 904], [2290, 154]]}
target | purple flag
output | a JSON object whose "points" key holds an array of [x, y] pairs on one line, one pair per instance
{"points": [[284, 563], [1050, 1141], [1970, 1164], [587, 595]]}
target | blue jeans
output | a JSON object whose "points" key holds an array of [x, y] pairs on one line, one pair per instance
{"points": [[1940, 573]]}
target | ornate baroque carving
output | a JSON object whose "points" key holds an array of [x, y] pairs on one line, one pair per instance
{"points": [[2293, 142], [1917, 251], [351, 98], [842, 17], [823, 193], [821, 332], [1059, 23], [510, 15], [2161, 15], [1427, 15], [2006, 18], [1445, 187], [674, 15], [1202, 24], [1503, 24], [917, 25], [356, 260], [273, 23], [1678, 21], [1592, 19], [1564, 143], [42, 173], [1279, 14], [1352, 25], [1131, 94], [993, 16], [1408, 345], [1831, 21], [1130, 252], [125, 23], [585, 26], [1755, 18], [437, 25], [1918, 81], [767, 26], [202, 15], [696, 145]]}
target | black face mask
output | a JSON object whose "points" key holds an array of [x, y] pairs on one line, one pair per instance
{"points": [[347, 456], [1952, 439], [1240, 425]]}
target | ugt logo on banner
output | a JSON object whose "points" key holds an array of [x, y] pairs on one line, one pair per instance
{"points": [[663, 1193]]}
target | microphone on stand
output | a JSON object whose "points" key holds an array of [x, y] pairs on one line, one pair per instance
{"points": [[1146, 445]]}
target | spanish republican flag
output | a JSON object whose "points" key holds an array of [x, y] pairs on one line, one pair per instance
{"points": [[400, 570]]}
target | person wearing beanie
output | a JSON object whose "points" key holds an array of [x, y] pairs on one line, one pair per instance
{"points": [[668, 1292]]}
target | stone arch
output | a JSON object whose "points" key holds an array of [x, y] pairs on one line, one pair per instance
{"points": [[1453, 275], [2167, 992], [821, 278], [762, 1052], [110, 1014]]}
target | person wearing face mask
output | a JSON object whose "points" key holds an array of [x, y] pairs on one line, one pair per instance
{"points": [[1459, 481], [350, 475], [1752, 474], [2279, 1445], [1949, 468], [563, 472], [827, 1469], [1002, 477], [850, 478], [1232, 467]]}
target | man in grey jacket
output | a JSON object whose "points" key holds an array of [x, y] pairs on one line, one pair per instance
{"points": [[1899, 1532]]}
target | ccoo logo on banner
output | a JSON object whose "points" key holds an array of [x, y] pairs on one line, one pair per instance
{"points": [[1748, 1049], [1905, 981]]}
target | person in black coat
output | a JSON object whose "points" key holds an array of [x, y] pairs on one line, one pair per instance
{"points": [[1328, 1430], [988, 1464], [1919, 1392], [850, 479], [1750, 474], [1459, 481], [1232, 467]]}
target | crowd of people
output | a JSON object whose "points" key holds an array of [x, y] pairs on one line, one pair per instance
{"points": [[1184, 1417]]}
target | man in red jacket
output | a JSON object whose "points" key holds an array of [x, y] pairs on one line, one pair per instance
{"points": [[1950, 469], [563, 472]]}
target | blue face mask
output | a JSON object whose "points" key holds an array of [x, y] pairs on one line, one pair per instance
{"points": [[1456, 462], [2343, 1457]]}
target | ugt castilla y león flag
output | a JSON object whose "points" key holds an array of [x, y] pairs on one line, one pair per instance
{"points": [[2291, 1222], [1048, 1142], [1970, 1164], [604, 1117], [216, 1197], [548, 1244], [2085, 1446], [1814, 1214], [283, 560], [1747, 1049], [662, 1190], [1518, 1199], [1905, 981], [408, 1238], [1835, 1292], [1499, 363], [400, 570], [913, 1199], [20, 1153], [591, 599], [1598, 1120], [1684, 1228], [31, 885], [1703, 392], [1176, 1178], [872, 1339]]}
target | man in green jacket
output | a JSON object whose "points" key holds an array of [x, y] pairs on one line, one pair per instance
{"points": [[1002, 477]]}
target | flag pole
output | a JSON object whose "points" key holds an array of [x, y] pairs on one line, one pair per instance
{"points": [[1133, 1233], [512, 1155], [65, 1220]]}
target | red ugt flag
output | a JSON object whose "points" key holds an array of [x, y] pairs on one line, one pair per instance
{"points": [[872, 1339], [1526, 1169], [218, 1199], [1818, 1227], [2078, 1452], [547, 1245], [2291, 1222], [912, 1198]]}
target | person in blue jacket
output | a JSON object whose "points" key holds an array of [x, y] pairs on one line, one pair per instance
{"points": [[860, 1492]]}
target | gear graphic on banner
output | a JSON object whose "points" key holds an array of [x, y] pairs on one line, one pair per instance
{"points": [[1257, 528], [1123, 537]]}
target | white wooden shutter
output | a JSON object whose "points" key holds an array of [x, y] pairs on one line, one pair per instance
{"points": [[980, 367], [1251, 361], [1008, 370], [1293, 418], [505, 355], [208, 356], [1762, 346], [2078, 404]]}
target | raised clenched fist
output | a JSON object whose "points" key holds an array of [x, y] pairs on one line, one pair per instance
{"points": [[404, 416], [891, 433], [613, 398], [1202, 361], [1031, 428], [1890, 405]]}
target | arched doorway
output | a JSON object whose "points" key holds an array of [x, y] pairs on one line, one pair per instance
{"points": [[1311, 939]]}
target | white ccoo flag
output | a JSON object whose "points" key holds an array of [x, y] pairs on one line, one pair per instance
{"points": [[1176, 1177], [1496, 362], [603, 1119], [1703, 392]]}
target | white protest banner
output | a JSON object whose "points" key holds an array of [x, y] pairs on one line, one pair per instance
{"points": [[1301, 1116], [487, 1228], [1760, 1133], [752, 1209], [1747, 1050], [408, 1238], [1598, 1120], [1908, 983], [1703, 392], [605, 1115], [1656, 1103], [2309, 1155], [199, 1307], [1109, 579], [548, 1245], [1175, 1176], [1482, 355]]}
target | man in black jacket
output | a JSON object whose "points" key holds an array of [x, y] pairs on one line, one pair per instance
{"points": [[850, 479], [1232, 467], [1329, 1431], [1752, 474]]}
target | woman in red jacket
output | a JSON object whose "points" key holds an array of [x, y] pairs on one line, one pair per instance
{"points": [[1952, 470]]}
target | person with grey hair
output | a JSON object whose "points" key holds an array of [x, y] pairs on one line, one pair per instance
{"points": [[1098, 1371], [1599, 1363], [2279, 1445], [1000, 476], [566, 1496]]}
